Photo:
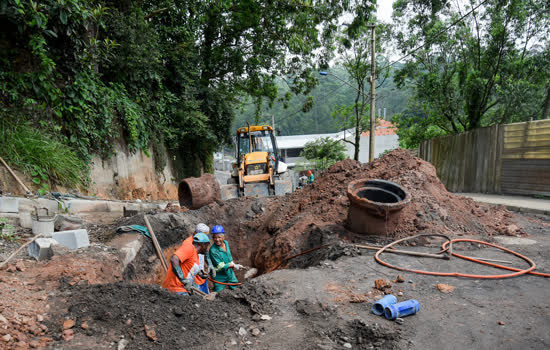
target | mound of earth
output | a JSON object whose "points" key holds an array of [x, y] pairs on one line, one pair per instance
{"points": [[291, 219], [150, 317]]}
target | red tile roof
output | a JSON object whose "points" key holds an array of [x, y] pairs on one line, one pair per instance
{"points": [[383, 127]]}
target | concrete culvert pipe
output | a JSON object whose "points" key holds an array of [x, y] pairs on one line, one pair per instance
{"points": [[196, 192], [375, 206]]}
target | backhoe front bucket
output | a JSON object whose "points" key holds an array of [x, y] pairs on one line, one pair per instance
{"points": [[229, 191], [282, 187], [256, 189]]}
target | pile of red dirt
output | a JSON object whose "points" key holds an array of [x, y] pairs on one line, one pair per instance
{"points": [[26, 288], [432, 208]]}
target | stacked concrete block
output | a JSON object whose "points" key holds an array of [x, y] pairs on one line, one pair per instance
{"points": [[72, 239]]}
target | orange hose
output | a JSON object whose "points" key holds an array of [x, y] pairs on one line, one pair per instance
{"points": [[225, 284], [488, 263], [459, 274]]}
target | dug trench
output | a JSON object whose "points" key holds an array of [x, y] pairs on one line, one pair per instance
{"points": [[278, 309]]}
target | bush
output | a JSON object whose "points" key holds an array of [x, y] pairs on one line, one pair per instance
{"points": [[324, 152], [45, 159]]}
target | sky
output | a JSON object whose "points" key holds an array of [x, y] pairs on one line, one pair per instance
{"points": [[384, 10]]}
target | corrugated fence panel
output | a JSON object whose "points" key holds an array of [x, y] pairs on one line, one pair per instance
{"points": [[526, 158]]}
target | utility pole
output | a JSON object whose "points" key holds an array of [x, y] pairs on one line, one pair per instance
{"points": [[273, 124], [372, 96]]}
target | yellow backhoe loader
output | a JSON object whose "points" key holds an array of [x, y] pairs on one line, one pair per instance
{"points": [[259, 171]]}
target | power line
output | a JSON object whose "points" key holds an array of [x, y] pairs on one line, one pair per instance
{"points": [[321, 98], [435, 36]]}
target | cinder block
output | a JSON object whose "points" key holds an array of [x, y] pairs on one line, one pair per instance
{"points": [[9, 205], [41, 249], [72, 239]]}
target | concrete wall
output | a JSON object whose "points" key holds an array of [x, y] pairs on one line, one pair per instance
{"points": [[129, 176]]}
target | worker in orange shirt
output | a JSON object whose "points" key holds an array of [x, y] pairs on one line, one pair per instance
{"points": [[184, 265], [201, 282]]}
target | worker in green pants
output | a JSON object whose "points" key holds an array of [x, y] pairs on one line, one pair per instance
{"points": [[220, 254]]}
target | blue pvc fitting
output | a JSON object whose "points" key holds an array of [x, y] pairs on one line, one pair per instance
{"points": [[379, 307], [402, 309]]}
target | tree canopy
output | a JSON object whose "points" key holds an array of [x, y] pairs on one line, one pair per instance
{"points": [[166, 75], [472, 63], [324, 152]]}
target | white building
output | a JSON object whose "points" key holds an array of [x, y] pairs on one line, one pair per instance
{"points": [[385, 139]]}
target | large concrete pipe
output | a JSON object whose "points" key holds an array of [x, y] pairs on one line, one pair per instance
{"points": [[375, 206], [196, 192]]}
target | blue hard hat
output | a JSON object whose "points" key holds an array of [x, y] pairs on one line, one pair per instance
{"points": [[201, 238], [217, 229]]}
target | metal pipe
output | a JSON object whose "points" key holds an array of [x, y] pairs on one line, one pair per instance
{"points": [[406, 252]]}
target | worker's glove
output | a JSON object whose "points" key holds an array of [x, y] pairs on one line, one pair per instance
{"points": [[203, 274], [238, 266], [212, 271], [187, 285]]}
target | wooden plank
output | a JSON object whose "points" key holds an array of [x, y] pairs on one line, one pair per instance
{"points": [[498, 157], [526, 133], [528, 144], [533, 129], [528, 178], [527, 155], [510, 187], [527, 192], [156, 244]]}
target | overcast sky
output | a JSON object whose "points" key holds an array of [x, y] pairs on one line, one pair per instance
{"points": [[384, 10]]}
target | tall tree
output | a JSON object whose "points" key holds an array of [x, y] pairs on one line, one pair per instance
{"points": [[242, 46], [355, 55], [472, 63]]}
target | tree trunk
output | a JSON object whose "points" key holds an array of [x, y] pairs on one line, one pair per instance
{"points": [[546, 105], [357, 139], [358, 117]]}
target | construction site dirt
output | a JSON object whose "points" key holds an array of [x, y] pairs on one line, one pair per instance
{"points": [[318, 300]]}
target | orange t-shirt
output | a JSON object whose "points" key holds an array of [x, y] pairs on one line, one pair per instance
{"points": [[189, 263]]}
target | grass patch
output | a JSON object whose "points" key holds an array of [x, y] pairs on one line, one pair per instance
{"points": [[47, 160]]}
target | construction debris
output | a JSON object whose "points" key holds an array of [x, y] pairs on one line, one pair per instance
{"points": [[445, 288]]}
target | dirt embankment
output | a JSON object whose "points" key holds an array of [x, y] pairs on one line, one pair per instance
{"points": [[290, 219]]}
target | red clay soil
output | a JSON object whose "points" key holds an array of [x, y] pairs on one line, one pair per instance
{"points": [[26, 288], [432, 208]]}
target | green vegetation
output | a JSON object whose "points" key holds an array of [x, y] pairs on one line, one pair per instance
{"points": [[176, 77], [324, 152], [7, 231], [474, 69], [42, 157], [161, 75], [330, 95]]}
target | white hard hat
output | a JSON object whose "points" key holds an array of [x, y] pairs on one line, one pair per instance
{"points": [[202, 228]]}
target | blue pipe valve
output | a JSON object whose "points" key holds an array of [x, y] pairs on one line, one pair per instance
{"points": [[402, 309], [379, 306]]}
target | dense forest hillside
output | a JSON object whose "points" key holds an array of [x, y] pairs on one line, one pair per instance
{"points": [[333, 90]]}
